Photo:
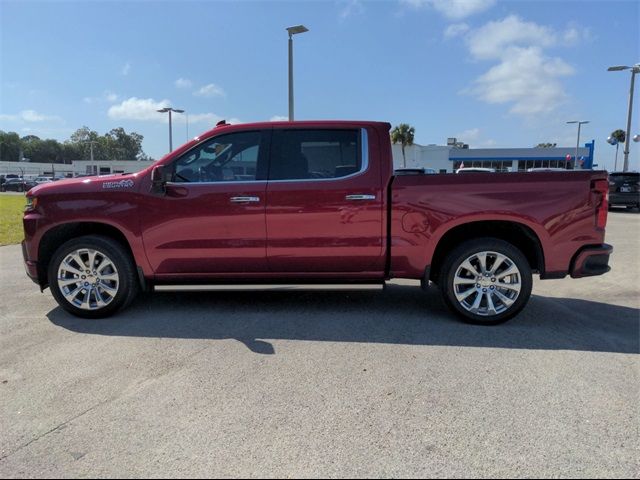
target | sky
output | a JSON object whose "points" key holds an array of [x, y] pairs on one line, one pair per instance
{"points": [[491, 73]]}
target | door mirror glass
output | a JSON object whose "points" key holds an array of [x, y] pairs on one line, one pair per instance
{"points": [[158, 179]]}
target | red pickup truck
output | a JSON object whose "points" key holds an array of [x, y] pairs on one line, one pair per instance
{"points": [[311, 203]]}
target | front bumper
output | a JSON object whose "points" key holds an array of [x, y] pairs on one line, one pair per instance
{"points": [[591, 260], [29, 265]]}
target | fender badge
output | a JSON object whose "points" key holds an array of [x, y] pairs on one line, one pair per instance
{"points": [[118, 184]]}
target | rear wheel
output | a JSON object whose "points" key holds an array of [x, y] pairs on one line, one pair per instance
{"points": [[92, 277], [486, 281]]}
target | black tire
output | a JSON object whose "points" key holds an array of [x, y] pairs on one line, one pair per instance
{"points": [[467, 249], [128, 285]]}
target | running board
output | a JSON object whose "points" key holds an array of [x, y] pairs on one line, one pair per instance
{"points": [[267, 287]]}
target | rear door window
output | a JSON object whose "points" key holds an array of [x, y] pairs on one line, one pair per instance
{"points": [[314, 154]]}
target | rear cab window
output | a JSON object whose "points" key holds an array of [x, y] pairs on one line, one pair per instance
{"points": [[315, 154]]}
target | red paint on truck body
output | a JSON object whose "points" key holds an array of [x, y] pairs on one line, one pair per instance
{"points": [[306, 229]]}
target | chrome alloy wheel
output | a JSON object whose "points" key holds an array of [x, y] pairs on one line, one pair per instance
{"points": [[487, 283], [88, 279]]}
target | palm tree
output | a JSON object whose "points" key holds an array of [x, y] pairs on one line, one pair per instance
{"points": [[619, 135], [403, 134]]}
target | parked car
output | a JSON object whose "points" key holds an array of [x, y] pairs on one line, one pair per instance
{"points": [[624, 189], [17, 185], [311, 202], [475, 170], [547, 169], [415, 171], [41, 180]]}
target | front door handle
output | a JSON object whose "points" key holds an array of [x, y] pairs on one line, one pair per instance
{"points": [[244, 199], [360, 197]]}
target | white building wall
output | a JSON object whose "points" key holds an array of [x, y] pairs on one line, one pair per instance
{"points": [[423, 156], [77, 167]]}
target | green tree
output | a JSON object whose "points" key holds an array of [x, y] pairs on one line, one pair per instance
{"points": [[115, 145], [9, 146], [43, 151], [619, 135], [403, 134], [546, 145]]}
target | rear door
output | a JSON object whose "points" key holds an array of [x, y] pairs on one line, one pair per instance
{"points": [[324, 203]]}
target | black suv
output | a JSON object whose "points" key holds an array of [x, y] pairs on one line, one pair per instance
{"points": [[624, 189]]}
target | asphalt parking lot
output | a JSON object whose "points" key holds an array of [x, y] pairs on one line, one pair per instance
{"points": [[308, 384]]}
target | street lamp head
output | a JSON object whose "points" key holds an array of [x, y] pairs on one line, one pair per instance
{"points": [[297, 29], [573, 121], [177, 110], [617, 68], [163, 110]]}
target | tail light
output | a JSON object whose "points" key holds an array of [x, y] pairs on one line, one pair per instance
{"points": [[601, 190]]}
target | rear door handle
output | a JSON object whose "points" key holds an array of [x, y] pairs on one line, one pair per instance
{"points": [[360, 197], [244, 199]]}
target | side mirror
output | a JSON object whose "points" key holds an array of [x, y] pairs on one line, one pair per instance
{"points": [[158, 179]]}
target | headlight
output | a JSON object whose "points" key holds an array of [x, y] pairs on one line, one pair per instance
{"points": [[32, 203]]}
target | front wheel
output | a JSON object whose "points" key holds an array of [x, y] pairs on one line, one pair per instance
{"points": [[92, 276], [486, 281]]}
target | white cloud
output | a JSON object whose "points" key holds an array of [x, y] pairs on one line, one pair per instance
{"points": [[575, 34], [468, 136], [455, 30], [210, 90], [490, 40], [30, 116], [126, 68], [138, 109], [279, 118], [453, 9], [351, 7], [184, 83], [146, 109], [524, 77]]}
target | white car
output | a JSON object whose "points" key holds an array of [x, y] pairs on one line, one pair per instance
{"points": [[41, 180], [547, 169], [475, 170]]}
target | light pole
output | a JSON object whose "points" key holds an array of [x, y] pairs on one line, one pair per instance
{"points": [[91, 142], [292, 31], [580, 123], [635, 69], [165, 110], [614, 141]]}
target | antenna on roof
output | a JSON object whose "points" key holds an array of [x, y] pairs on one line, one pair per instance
{"points": [[221, 123]]}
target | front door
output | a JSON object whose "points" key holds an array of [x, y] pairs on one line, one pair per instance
{"points": [[211, 220]]}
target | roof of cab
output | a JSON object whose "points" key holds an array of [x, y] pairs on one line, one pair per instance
{"points": [[306, 123]]}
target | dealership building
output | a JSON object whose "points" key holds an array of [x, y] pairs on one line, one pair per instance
{"points": [[448, 158]]}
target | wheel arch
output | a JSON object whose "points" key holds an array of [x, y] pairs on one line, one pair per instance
{"points": [[59, 234], [518, 234]]}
